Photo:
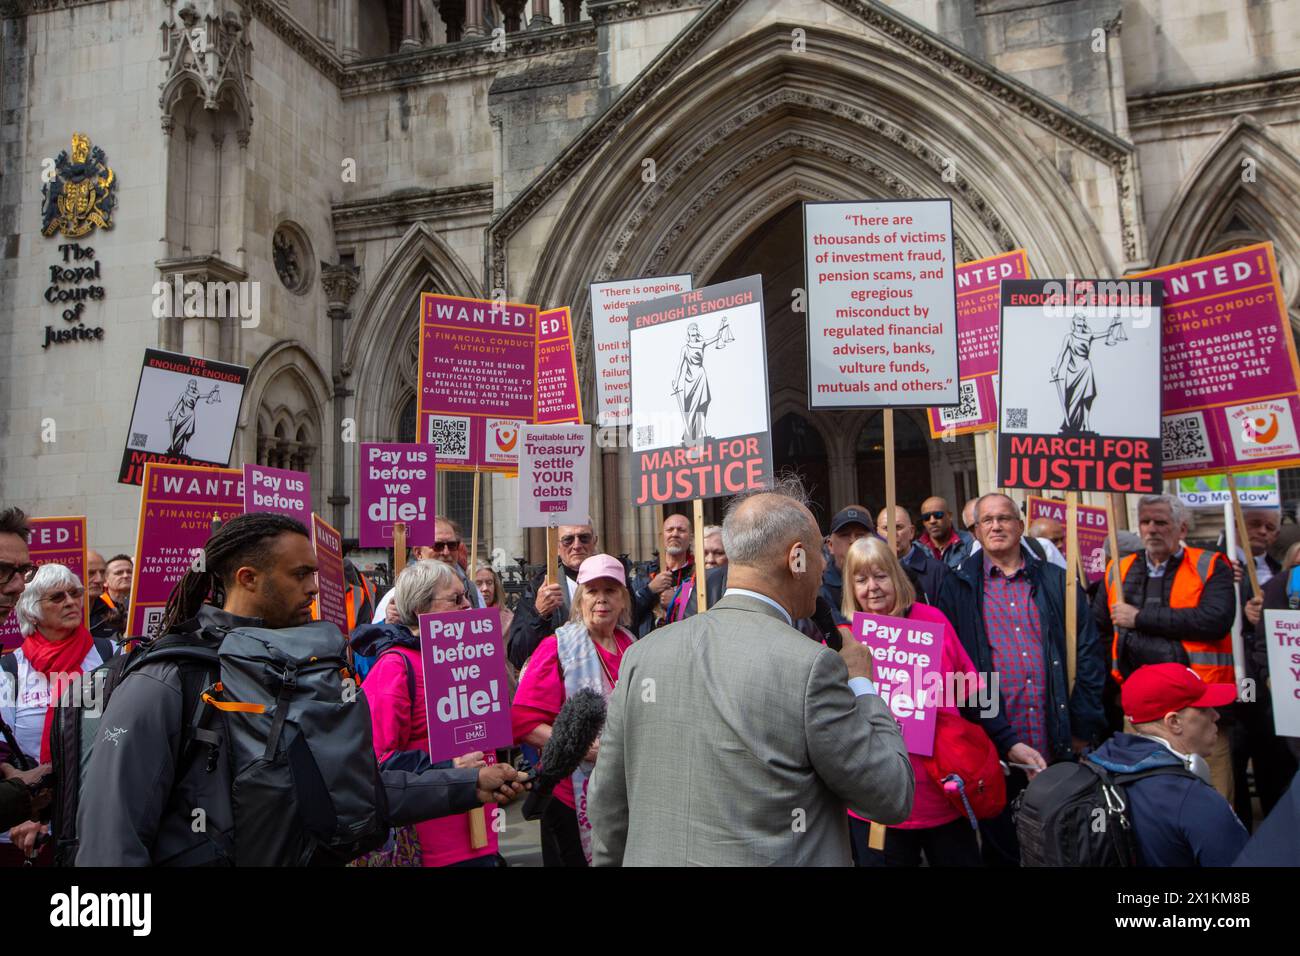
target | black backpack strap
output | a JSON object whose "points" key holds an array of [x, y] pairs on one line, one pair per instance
{"points": [[1034, 545], [10, 665], [410, 671], [105, 647]]}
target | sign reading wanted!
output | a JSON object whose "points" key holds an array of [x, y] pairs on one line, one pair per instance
{"points": [[186, 410], [882, 316], [700, 421], [1080, 402]]}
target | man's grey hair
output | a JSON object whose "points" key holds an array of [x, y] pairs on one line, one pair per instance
{"points": [[979, 503], [1177, 510], [417, 586], [761, 536], [48, 579]]}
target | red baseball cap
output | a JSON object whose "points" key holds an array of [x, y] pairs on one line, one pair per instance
{"points": [[1158, 689]]}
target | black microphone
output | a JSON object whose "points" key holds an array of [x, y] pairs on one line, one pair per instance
{"points": [[576, 728]]}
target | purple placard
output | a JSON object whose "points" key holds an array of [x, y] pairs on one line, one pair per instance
{"points": [[478, 380], [909, 672], [1230, 374], [278, 490], [52, 541], [398, 483], [331, 600], [465, 689], [177, 506]]}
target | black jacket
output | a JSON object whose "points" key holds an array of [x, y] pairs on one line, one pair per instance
{"points": [[961, 599], [925, 570], [1161, 629], [528, 628]]}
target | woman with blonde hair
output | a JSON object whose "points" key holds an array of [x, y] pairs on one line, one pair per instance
{"points": [[488, 583], [876, 583], [584, 653]]}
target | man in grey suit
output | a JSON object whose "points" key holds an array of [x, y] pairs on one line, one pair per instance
{"points": [[734, 740]]}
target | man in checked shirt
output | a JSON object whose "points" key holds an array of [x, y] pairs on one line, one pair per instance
{"points": [[1008, 608]]}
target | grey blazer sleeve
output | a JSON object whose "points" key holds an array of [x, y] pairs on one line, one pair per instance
{"points": [[129, 773], [414, 798], [855, 745], [607, 792]]}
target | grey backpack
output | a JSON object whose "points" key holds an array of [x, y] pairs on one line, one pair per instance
{"points": [[306, 787]]}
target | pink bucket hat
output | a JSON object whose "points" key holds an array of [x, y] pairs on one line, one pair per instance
{"points": [[601, 566]]}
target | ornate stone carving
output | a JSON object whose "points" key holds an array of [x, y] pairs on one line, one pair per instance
{"points": [[1215, 99], [210, 51], [340, 283], [612, 11], [412, 206]]}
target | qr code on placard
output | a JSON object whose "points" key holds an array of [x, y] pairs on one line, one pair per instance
{"points": [[1016, 418], [451, 437], [966, 410], [153, 618], [139, 440], [1183, 439]]}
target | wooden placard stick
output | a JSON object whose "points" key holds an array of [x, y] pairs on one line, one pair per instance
{"points": [[399, 549], [552, 546], [1071, 586], [1243, 540], [891, 501], [477, 820], [701, 600]]}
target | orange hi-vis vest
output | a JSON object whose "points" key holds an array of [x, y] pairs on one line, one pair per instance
{"points": [[1211, 660]]}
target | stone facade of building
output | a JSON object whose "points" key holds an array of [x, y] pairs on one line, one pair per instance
{"points": [[346, 155]]}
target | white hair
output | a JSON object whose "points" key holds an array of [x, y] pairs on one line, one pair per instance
{"points": [[712, 529], [48, 578], [1177, 510], [760, 536], [416, 587]]}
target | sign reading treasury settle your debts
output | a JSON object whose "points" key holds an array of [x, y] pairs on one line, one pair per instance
{"points": [[882, 322]]}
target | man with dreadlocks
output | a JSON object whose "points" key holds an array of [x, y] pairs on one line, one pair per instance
{"points": [[142, 796]]}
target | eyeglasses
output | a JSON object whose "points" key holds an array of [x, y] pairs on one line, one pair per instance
{"points": [[927, 515], [457, 598], [7, 572], [585, 538], [446, 545], [990, 520], [58, 597]]}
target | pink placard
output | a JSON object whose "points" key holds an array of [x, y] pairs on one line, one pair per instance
{"points": [[278, 490], [979, 313], [1230, 376], [398, 483], [909, 673], [465, 689], [52, 541], [331, 600], [177, 506], [478, 374], [1092, 531], [558, 398]]}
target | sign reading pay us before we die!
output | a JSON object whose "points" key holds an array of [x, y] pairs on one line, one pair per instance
{"points": [[465, 689]]}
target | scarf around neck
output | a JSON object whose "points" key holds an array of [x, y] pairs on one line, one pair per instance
{"points": [[63, 657]]}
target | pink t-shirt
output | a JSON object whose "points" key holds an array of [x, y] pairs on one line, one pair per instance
{"points": [[396, 725], [930, 808], [540, 694]]}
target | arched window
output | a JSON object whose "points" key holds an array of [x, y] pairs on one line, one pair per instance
{"points": [[798, 447]]}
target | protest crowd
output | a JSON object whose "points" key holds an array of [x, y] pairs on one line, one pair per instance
{"points": [[758, 732]]}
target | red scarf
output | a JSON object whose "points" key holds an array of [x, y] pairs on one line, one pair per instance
{"points": [[56, 657]]}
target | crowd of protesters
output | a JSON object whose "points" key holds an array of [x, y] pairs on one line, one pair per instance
{"points": [[766, 698]]}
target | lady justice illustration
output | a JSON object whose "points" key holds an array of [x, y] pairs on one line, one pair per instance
{"points": [[1076, 386], [182, 417], [691, 383]]}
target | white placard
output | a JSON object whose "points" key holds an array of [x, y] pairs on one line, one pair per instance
{"points": [[1282, 630], [609, 304], [882, 304], [554, 475]]}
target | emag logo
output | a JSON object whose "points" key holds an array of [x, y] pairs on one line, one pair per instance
{"points": [[77, 909]]}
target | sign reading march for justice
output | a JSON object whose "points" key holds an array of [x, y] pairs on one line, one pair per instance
{"points": [[478, 374], [610, 302], [979, 317], [1080, 385], [882, 323], [700, 421], [1231, 379]]}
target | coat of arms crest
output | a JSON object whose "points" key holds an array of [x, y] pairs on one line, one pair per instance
{"points": [[82, 193]]}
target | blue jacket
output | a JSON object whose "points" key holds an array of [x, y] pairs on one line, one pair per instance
{"points": [[929, 570], [1177, 820], [961, 598]]}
